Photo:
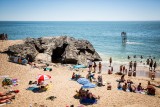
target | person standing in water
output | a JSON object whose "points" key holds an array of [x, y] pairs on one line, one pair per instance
{"points": [[110, 61], [150, 64], [154, 65], [135, 65], [130, 65]]}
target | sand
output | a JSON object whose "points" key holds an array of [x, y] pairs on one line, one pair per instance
{"points": [[64, 88]]}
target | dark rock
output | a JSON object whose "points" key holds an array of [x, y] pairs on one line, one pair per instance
{"points": [[61, 49]]}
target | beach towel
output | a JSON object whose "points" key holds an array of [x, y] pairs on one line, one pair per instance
{"points": [[79, 66], [88, 101], [14, 82], [33, 88]]}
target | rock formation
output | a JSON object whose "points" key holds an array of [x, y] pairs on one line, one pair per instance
{"points": [[61, 49]]}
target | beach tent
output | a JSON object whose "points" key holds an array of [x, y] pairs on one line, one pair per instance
{"points": [[83, 81], [89, 85], [43, 77], [79, 66]]}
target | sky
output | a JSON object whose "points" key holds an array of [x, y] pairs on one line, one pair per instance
{"points": [[79, 10]]}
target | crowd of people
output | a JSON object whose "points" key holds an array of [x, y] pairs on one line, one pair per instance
{"points": [[85, 94]]}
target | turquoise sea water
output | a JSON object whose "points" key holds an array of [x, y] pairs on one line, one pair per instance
{"points": [[143, 37]]}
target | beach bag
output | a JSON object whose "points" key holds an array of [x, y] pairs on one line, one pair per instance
{"points": [[6, 81], [134, 74], [130, 73]]}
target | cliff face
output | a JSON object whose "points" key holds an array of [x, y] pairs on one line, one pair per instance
{"points": [[61, 49]]}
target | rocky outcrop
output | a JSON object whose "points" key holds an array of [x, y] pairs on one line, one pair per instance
{"points": [[61, 49]]}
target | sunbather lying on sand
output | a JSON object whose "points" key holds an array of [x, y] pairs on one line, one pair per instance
{"points": [[86, 94], [4, 97], [5, 101]]}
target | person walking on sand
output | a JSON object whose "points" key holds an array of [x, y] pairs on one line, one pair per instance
{"points": [[100, 67], [135, 65], [130, 65], [90, 65], [94, 67], [110, 61], [152, 75], [154, 65]]}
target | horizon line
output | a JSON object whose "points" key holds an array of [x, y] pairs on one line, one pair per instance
{"points": [[78, 20]]}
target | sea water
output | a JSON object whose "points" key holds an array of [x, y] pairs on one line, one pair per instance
{"points": [[143, 37]]}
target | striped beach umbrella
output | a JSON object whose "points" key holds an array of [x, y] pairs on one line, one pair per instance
{"points": [[43, 77]]}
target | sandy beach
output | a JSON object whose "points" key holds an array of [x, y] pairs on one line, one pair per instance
{"points": [[64, 89]]}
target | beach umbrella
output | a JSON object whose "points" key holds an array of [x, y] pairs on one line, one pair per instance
{"points": [[83, 81], [89, 85], [43, 77]]}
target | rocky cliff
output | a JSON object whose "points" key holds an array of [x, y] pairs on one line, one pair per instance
{"points": [[61, 49]]}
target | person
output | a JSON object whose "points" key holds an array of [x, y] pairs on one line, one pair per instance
{"points": [[109, 71], [94, 66], [122, 79], [93, 97], [132, 88], [90, 65], [152, 75], [135, 65], [141, 57], [120, 68], [124, 87], [110, 61], [73, 75], [100, 81], [139, 87], [130, 65], [119, 86], [123, 68], [150, 64], [134, 56], [90, 76], [109, 86], [112, 69], [100, 67], [147, 61], [128, 57], [150, 89], [154, 65]]}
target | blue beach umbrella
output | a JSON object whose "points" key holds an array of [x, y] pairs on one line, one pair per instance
{"points": [[89, 85], [83, 81]]}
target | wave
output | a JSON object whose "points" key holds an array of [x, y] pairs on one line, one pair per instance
{"points": [[134, 43]]}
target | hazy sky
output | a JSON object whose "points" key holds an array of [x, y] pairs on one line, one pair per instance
{"points": [[79, 10]]}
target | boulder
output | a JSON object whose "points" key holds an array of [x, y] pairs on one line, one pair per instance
{"points": [[43, 57], [61, 49]]}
